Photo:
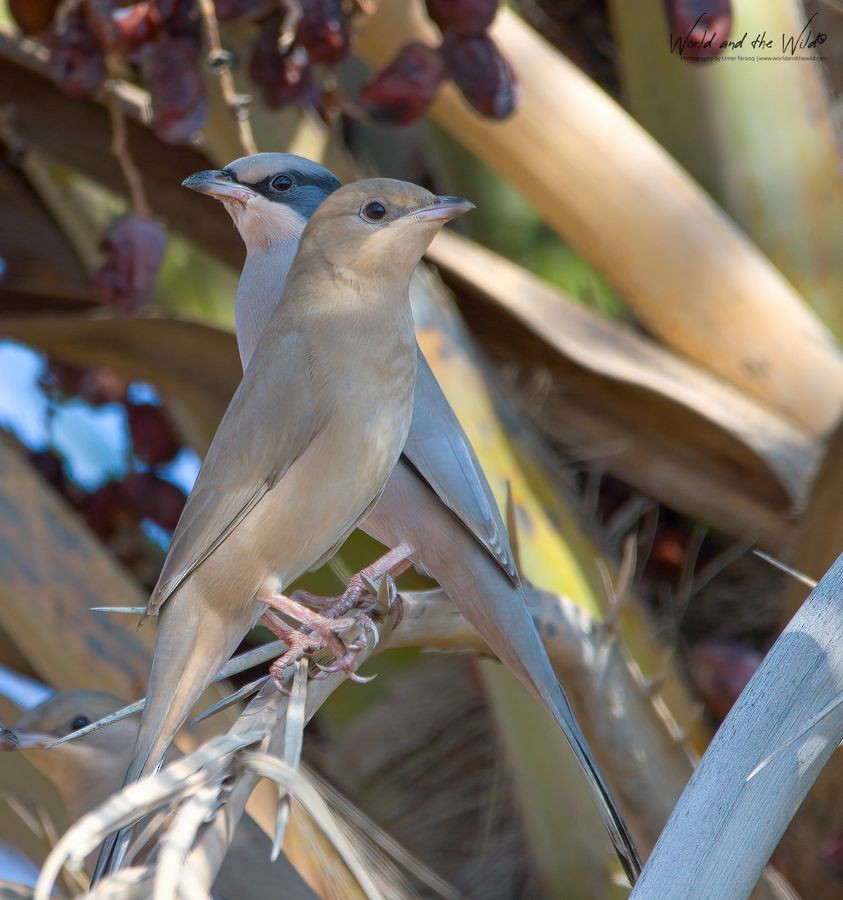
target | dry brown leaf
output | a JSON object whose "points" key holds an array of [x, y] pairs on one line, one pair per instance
{"points": [[615, 195], [672, 430], [32, 270], [52, 570]]}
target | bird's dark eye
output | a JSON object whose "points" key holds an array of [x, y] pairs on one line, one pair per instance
{"points": [[79, 722], [281, 183], [374, 211]]}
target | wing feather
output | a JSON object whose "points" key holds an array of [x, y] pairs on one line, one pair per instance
{"points": [[439, 450], [269, 423]]}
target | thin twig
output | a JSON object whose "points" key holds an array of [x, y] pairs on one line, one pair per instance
{"points": [[789, 570], [67, 8], [720, 563], [293, 742], [684, 588], [219, 60], [120, 150]]}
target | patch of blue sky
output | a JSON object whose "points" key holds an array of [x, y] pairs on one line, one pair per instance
{"points": [[23, 406], [16, 867], [182, 470], [22, 690], [94, 442], [156, 533], [143, 392]]}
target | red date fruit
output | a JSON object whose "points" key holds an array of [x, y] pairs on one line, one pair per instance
{"points": [[228, 10], [170, 72], [403, 91], [154, 498], [720, 671], [831, 853], [180, 18], [123, 29], [49, 466], [669, 550], [698, 27], [153, 439], [62, 378], [283, 78], [95, 386], [465, 17], [76, 59], [134, 249], [482, 74], [108, 509], [33, 16], [323, 31], [177, 11], [100, 386]]}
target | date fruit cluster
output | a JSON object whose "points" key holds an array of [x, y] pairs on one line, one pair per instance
{"points": [[115, 509], [403, 91], [293, 46]]}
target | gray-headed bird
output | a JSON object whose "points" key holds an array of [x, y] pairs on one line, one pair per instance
{"points": [[304, 448], [437, 501], [87, 771]]}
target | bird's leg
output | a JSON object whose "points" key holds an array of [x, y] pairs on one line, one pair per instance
{"points": [[391, 564], [298, 611], [321, 630], [376, 579], [310, 637]]}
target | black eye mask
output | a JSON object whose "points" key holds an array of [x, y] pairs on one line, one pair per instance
{"points": [[305, 194]]}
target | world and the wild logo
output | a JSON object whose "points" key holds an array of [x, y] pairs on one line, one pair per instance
{"points": [[701, 40]]}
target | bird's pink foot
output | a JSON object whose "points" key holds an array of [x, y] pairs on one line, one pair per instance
{"points": [[390, 565], [322, 631], [316, 633]]}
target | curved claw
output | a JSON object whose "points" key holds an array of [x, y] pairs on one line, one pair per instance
{"points": [[279, 672], [362, 679], [328, 670], [369, 625]]}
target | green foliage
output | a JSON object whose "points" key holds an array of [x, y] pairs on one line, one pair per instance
{"points": [[196, 285]]}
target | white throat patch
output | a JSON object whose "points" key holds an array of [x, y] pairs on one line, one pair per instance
{"points": [[263, 224]]}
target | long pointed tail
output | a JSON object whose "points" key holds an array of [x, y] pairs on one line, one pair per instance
{"points": [[609, 812], [498, 610], [192, 643]]}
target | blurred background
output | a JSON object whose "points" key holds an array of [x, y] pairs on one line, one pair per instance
{"points": [[638, 327]]}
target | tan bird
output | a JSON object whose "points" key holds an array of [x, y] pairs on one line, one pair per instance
{"points": [[304, 449], [85, 771], [89, 770], [437, 502]]}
